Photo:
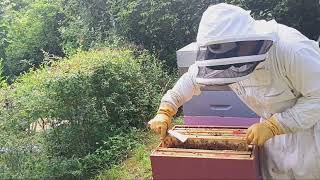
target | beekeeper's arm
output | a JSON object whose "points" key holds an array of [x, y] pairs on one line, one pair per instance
{"points": [[303, 71], [182, 92], [302, 68]]}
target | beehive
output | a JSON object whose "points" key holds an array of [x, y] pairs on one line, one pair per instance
{"points": [[214, 101], [209, 153]]}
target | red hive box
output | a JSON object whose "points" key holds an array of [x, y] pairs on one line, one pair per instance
{"points": [[209, 153]]}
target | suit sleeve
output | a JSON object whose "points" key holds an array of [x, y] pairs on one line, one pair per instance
{"points": [[303, 70], [183, 90]]}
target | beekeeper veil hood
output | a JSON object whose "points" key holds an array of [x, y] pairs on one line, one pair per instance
{"points": [[231, 44]]}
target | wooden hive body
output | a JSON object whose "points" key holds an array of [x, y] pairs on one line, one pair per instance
{"points": [[209, 153]]}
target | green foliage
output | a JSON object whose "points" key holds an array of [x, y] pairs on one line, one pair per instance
{"points": [[3, 33], [137, 165], [300, 14], [2, 77], [33, 29], [162, 27], [165, 26], [87, 24], [95, 102], [159, 26]]}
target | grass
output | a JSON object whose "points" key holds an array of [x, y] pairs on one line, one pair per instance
{"points": [[138, 165]]}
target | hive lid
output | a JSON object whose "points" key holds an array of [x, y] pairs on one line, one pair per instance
{"points": [[187, 55]]}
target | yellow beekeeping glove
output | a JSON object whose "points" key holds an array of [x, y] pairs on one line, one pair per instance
{"points": [[162, 121], [259, 133]]}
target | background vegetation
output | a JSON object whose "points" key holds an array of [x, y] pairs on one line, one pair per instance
{"points": [[96, 103], [93, 71]]}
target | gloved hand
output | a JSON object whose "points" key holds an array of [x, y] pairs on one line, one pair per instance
{"points": [[259, 133], [162, 121]]}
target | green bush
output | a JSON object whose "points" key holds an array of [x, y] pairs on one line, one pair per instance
{"points": [[103, 96], [31, 30]]}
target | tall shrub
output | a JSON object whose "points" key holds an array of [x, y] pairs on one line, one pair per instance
{"points": [[95, 103]]}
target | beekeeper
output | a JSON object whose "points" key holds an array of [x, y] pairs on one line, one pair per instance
{"points": [[275, 70]]}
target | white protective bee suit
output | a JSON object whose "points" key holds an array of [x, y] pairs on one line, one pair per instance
{"points": [[286, 85]]}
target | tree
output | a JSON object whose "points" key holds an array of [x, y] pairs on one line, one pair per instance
{"points": [[31, 29], [87, 24], [3, 30], [303, 15], [165, 26]]}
